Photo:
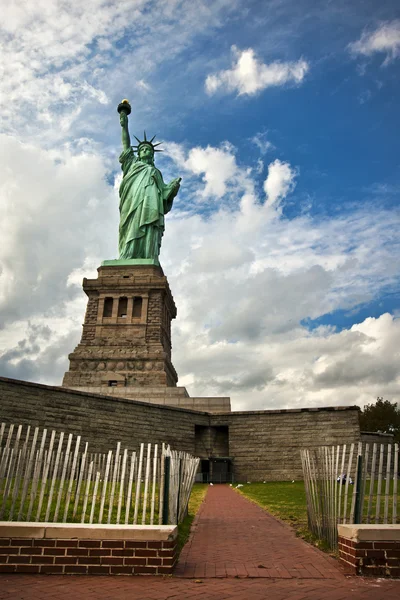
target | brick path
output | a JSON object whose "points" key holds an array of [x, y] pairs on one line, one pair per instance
{"points": [[233, 537], [230, 540]]}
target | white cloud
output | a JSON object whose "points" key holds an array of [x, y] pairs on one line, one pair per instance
{"points": [[280, 181], [386, 38], [249, 75]]}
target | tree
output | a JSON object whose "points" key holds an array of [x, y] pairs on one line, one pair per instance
{"points": [[381, 417]]}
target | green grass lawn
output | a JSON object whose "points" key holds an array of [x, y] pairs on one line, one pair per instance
{"points": [[196, 498]]}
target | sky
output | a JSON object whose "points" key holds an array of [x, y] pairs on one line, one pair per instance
{"points": [[282, 248]]}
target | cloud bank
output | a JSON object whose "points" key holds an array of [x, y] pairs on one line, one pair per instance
{"points": [[385, 38], [249, 75]]}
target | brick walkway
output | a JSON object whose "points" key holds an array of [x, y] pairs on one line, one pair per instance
{"points": [[236, 551], [233, 537]]}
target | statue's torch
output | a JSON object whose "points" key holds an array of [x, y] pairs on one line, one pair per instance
{"points": [[125, 107]]}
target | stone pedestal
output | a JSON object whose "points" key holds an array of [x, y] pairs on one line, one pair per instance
{"points": [[126, 338]]}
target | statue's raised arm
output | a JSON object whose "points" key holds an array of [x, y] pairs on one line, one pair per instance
{"points": [[144, 197]]}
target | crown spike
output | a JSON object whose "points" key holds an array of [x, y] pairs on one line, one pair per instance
{"points": [[145, 138], [159, 143], [137, 138], [152, 139]]}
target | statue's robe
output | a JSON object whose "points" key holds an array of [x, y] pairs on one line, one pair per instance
{"points": [[144, 200]]}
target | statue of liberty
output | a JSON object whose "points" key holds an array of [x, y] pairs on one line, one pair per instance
{"points": [[144, 197]]}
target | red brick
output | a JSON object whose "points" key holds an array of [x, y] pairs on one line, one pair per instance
{"points": [[384, 545], [93, 570], [32, 569], [67, 543], [3, 558], [89, 544], [136, 561], [134, 545], [23, 559], [65, 560], [123, 552], [21, 542], [153, 562], [395, 571], [42, 560], [4, 542], [54, 551], [121, 570], [108, 560], [7, 568], [32, 551], [164, 570], [7, 550], [112, 544], [75, 569], [77, 552], [154, 545], [99, 552], [146, 570], [88, 560], [375, 554], [365, 545], [56, 569], [169, 544], [167, 562], [393, 553], [146, 553], [44, 543]]}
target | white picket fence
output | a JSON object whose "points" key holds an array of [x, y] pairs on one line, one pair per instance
{"points": [[52, 477], [353, 483]]}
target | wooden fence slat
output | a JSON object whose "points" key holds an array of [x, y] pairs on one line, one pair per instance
{"points": [[153, 493], [162, 483], [5, 455], [347, 482], [71, 480], [130, 486], [87, 490], [364, 479], [138, 485], [379, 489], [113, 483], [387, 487], [27, 474], [121, 485], [371, 482], [105, 482], [45, 475], [64, 470], [146, 483], [80, 477], [395, 478], [10, 475], [353, 499], [96, 485], [54, 477]]}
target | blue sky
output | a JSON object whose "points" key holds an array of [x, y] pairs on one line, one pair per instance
{"points": [[282, 249]]}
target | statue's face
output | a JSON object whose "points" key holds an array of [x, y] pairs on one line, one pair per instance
{"points": [[146, 153]]}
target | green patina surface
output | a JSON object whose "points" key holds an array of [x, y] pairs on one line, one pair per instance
{"points": [[144, 197]]}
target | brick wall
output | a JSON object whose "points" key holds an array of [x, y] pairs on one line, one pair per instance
{"points": [[105, 556], [361, 551]]}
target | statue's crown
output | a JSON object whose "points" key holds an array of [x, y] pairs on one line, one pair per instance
{"points": [[146, 142]]}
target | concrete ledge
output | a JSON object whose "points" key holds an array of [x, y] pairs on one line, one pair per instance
{"points": [[148, 533], [370, 533]]}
